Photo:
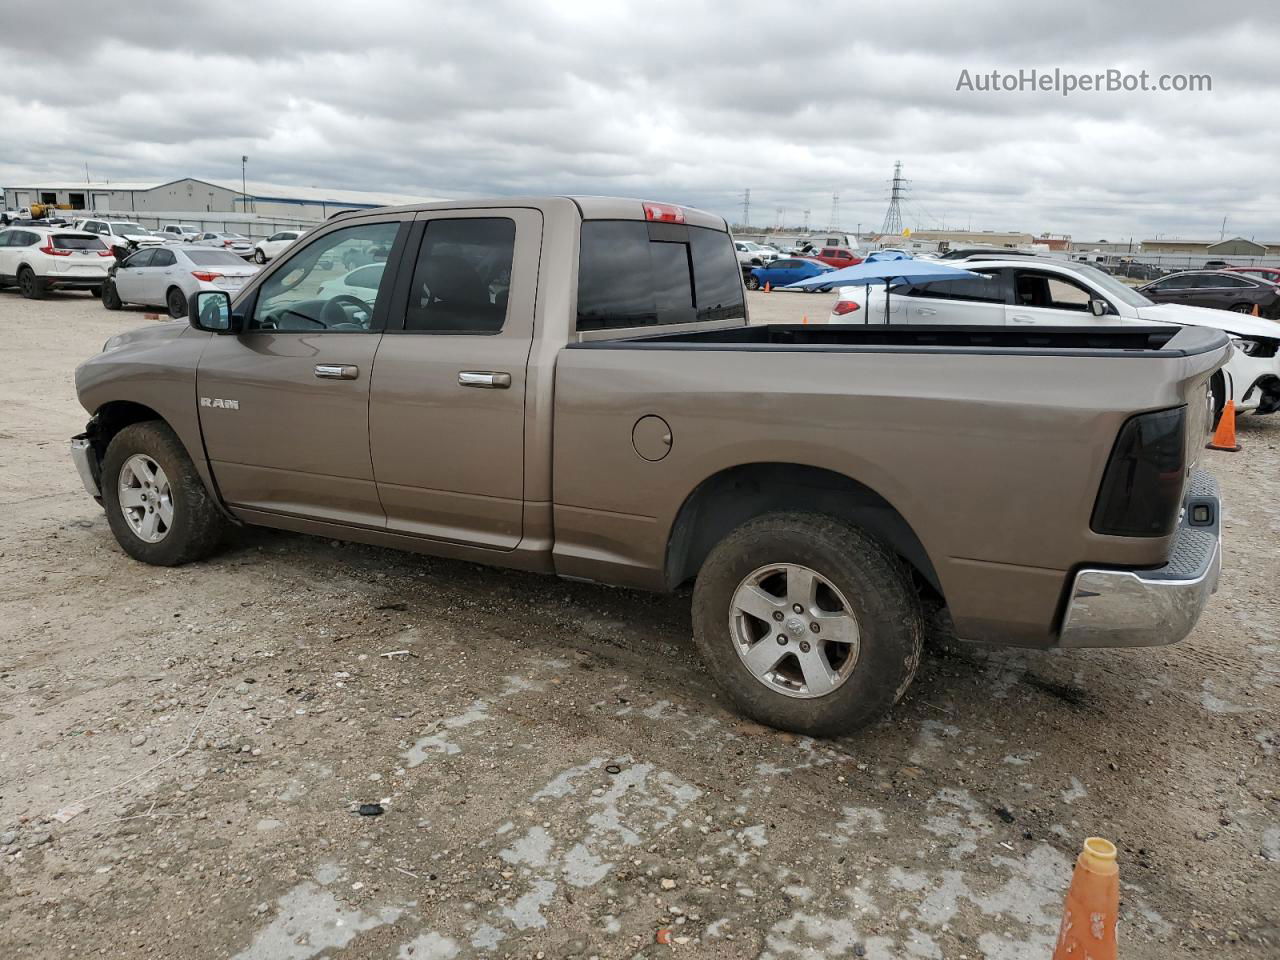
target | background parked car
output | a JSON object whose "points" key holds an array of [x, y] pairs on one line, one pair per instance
{"points": [[837, 257], [271, 247], [1217, 289], [753, 253], [39, 259], [167, 276], [362, 282], [1261, 273], [120, 233], [237, 243], [184, 232], [785, 271]]}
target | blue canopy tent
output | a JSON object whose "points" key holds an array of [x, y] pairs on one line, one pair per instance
{"points": [[887, 272]]}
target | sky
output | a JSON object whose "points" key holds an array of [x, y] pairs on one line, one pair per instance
{"points": [[686, 101]]}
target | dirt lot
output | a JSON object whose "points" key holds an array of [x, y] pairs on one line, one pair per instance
{"points": [[558, 775]]}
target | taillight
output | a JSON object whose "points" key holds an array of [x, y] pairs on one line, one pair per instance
{"points": [[1142, 488], [663, 213], [844, 306], [205, 275], [49, 249], [226, 243], [105, 253]]}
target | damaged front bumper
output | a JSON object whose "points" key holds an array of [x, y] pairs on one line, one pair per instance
{"points": [[1149, 608], [86, 461]]}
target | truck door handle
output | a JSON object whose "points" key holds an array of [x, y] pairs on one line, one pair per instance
{"points": [[337, 371], [1022, 319], [486, 379], [927, 312]]}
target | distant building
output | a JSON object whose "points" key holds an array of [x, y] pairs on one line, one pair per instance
{"points": [[1234, 247], [974, 238], [190, 195]]}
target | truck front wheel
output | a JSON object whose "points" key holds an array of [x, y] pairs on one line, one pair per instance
{"points": [[155, 502], [808, 624]]}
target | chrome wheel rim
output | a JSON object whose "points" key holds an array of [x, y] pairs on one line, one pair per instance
{"points": [[146, 500], [794, 630]]}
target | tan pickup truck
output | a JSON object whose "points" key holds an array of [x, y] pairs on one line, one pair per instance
{"points": [[571, 386]]}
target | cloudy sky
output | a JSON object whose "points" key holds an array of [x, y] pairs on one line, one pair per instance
{"points": [[687, 101]]}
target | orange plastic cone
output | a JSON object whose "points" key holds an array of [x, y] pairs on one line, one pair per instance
{"points": [[1224, 438], [767, 287], [1093, 903], [805, 318], [1255, 311]]}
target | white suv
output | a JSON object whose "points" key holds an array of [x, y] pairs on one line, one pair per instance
{"points": [[274, 245], [754, 254], [181, 232], [1047, 292], [120, 233], [40, 259]]}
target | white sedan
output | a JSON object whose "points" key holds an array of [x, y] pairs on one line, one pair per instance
{"points": [[362, 283], [271, 247], [1044, 291], [169, 276], [237, 243]]}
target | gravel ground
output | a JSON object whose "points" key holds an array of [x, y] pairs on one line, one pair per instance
{"points": [[557, 776]]}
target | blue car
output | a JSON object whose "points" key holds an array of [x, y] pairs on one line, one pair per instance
{"points": [[781, 272]]}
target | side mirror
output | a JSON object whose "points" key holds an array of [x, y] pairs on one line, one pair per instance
{"points": [[210, 310], [1099, 308]]}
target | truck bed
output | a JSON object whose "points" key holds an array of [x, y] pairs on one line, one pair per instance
{"points": [[1166, 341]]}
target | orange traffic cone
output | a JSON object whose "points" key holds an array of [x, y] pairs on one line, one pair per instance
{"points": [[767, 287], [1224, 438], [804, 318], [1093, 902], [1255, 311]]}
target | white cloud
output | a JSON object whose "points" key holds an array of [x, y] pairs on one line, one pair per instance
{"points": [[686, 101]]}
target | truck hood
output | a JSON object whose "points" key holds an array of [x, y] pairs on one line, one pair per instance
{"points": [[154, 333], [1239, 324]]}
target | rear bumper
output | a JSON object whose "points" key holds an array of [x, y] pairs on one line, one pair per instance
{"points": [[1149, 608]]}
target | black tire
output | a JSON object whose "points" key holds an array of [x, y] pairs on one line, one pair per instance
{"points": [[259, 256], [878, 591], [1242, 308], [96, 292], [176, 301], [198, 525], [29, 285], [110, 298], [753, 283]]}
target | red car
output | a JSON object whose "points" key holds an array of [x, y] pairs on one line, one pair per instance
{"points": [[1261, 273], [836, 257]]}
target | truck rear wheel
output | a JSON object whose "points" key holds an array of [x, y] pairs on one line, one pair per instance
{"points": [[156, 504], [808, 624]]}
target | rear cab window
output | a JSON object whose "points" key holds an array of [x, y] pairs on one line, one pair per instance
{"points": [[633, 273]]}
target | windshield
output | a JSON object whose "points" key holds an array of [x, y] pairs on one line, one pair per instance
{"points": [[121, 229], [1121, 291]]}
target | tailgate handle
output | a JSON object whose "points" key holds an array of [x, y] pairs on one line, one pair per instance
{"points": [[927, 312], [485, 379], [1022, 319], [337, 371]]}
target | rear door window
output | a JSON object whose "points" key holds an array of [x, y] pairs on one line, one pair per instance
{"points": [[163, 258], [463, 276], [141, 259], [632, 273]]}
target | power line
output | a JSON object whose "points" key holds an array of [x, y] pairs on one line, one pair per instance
{"points": [[893, 216]]}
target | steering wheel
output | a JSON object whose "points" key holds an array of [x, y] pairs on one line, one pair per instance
{"points": [[332, 319]]}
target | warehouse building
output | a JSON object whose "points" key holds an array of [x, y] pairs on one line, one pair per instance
{"points": [[1234, 247], [194, 196]]}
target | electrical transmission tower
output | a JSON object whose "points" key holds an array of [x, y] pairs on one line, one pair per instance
{"points": [[835, 212], [746, 208], [806, 220], [893, 216]]}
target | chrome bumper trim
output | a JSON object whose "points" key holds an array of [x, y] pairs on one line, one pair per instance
{"points": [[82, 457], [1150, 608]]}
